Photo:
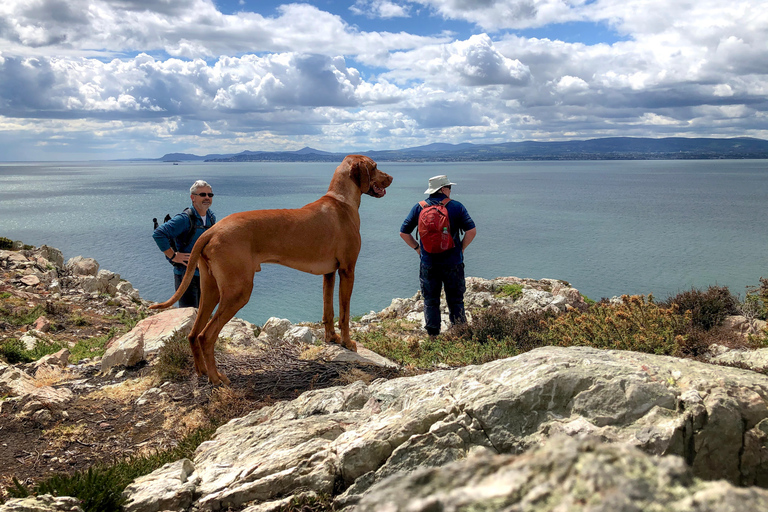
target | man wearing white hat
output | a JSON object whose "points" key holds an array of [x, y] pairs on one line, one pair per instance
{"points": [[441, 267]]}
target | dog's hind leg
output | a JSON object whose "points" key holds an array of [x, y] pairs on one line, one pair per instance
{"points": [[234, 295], [329, 281], [346, 282], [209, 297]]}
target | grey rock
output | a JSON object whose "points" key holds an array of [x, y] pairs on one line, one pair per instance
{"points": [[42, 503], [80, 266], [715, 418], [563, 475], [170, 488]]}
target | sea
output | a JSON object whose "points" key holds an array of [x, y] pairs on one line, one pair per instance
{"points": [[607, 227]]}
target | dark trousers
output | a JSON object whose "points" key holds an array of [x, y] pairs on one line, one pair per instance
{"points": [[191, 297], [432, 280]]}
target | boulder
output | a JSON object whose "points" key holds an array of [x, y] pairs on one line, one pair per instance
{"points": [[715, 418], [563, 475], [32, 396], [274, 328], [53, 255], [80, 266], [147, 337], [239, 333], [169, 489], [42, 503]]}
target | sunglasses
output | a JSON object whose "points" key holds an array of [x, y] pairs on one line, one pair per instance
{"points": [[204, 194]]}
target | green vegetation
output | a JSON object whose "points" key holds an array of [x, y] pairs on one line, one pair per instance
{"points": [[15, 311], [14, 351], [100, 488], [514, 291], [684, 325], [90, 347], [5, 243], [637, 323], [174, 360], [493, 333]]}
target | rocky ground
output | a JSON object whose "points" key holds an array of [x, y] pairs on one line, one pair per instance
{"points": [[73, 410], [77, 415]]}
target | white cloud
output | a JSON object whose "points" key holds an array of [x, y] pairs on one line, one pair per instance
{"points": [[141, 75]]}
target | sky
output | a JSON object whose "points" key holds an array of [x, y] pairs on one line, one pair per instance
{"points": [[115, 79]]}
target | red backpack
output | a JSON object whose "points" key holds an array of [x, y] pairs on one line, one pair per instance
{"points": [[435, 227]]}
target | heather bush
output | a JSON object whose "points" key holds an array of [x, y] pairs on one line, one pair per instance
{"points": [[636, 323], [708, 308]]}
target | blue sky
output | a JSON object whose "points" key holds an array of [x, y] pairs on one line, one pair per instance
{"points": [[108, 79]]}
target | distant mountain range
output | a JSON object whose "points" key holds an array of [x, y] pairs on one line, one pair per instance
{"points": [[614, 148]]}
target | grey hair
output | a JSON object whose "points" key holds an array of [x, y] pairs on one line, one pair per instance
{"points": [[199, 184]]}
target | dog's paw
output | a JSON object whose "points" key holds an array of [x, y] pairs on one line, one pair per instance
{"points": [[350, 345]]}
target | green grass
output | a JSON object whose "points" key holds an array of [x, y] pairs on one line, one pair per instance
{"points": [[100, 487], [514, 291]]}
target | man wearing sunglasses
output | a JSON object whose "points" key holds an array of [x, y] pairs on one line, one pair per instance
{"points": [[177, 236]]}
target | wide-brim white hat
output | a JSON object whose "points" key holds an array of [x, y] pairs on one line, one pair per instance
{"points": [[438, 182]]}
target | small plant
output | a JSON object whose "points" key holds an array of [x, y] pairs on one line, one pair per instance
{"points": [[513, 291], [6, 243], [79, 320], [5, 295], [14, 351], [174, 360]]}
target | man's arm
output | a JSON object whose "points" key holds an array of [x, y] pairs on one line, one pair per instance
{"points": [[168, 231], [468, 237], [411, 241]]}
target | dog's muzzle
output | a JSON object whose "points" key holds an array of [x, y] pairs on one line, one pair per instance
{"points": [[376, 191]]}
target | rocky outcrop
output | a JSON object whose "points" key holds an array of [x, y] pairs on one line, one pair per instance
{"points": [[564, 474], [42, 271], [714, 418], [512, 293]]}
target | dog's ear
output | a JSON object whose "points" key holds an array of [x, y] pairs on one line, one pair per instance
{"points": [[361, 173]]}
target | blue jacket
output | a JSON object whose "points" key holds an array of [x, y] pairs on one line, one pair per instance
{"points": [[460, 221], [178, 226]]}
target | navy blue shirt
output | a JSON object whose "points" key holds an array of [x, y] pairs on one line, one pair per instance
{"points": [[460, 220], [176, 227]]}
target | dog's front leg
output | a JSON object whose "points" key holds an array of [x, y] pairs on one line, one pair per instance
{"points": [[346, 282], [329, 281]]}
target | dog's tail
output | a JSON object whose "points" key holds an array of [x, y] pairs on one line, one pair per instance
{"points": [[194, 257]]}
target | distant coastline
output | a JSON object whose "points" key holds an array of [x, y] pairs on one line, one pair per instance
{"points": [[613, 148]]}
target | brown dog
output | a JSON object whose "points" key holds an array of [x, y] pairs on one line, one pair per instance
{"points": [[320, 238]]}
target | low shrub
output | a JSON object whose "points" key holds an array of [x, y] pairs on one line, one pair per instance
{"points": [[708, 308], [520, 329], [15, 351], [494, 333], [636, 323], [174, 359], [5, 243]]}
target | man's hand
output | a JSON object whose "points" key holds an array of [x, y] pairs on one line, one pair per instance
{"points": [[181, 257]]}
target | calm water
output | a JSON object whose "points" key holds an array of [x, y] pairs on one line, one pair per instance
{"points": [[606, 227]]}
